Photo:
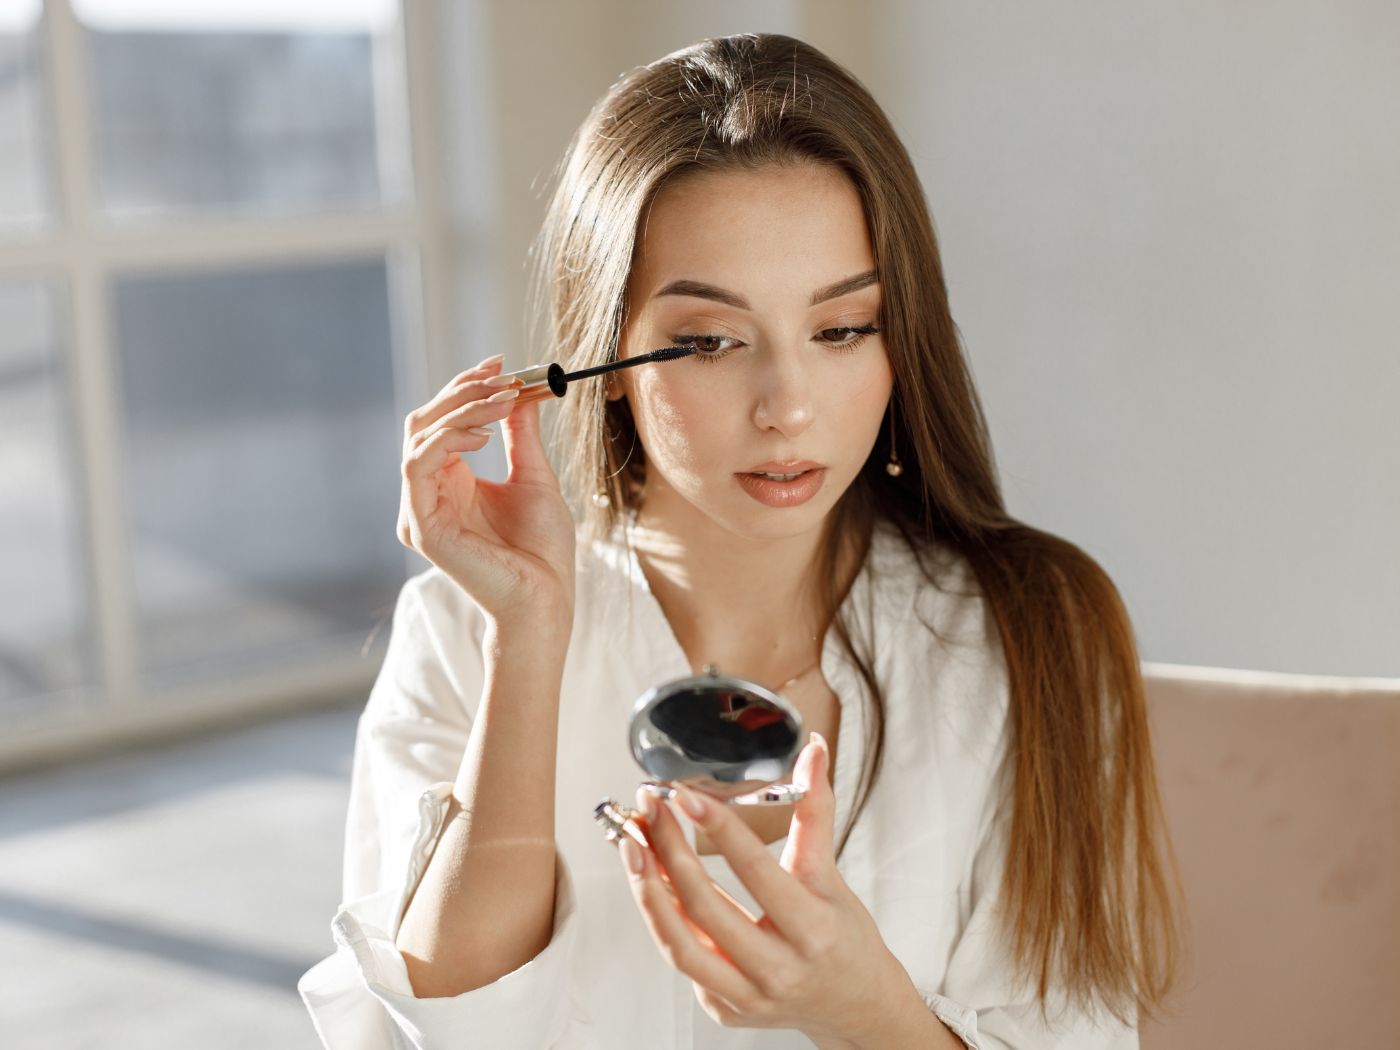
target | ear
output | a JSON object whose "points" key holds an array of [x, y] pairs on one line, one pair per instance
{"points": [[614, 391]]}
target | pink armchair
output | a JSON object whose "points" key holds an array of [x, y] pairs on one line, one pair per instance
{"points": [[1282, 794]]}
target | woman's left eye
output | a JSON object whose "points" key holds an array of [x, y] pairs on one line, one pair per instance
{"points": [[842, 340], [859, 331]]}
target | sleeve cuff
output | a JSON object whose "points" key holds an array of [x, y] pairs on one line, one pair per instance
{"points": [[961, 1020], [527, 1008]]}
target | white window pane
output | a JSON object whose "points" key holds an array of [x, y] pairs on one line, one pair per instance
{"points": [[44, 642], [23, 191], [262, 462], [247, 114]]}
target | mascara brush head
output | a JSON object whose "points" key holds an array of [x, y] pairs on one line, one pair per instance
{"points": [[669, 353]]}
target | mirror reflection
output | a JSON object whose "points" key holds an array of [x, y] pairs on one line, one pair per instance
{"points": [[728, 737]]}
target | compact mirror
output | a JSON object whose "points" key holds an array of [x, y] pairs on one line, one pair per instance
{"points": [[730, 738]]}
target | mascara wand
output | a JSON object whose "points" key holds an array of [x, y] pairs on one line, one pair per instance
{"points": [[540, 381]]}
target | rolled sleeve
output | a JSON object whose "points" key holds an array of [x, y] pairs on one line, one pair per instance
{"points": [[409, 744], [961, 1021], [361, 996]]}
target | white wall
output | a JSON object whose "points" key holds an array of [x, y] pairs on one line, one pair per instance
{"points": [[1172, 239]]}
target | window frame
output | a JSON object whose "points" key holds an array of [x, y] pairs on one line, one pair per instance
{"points": [[78, 250]]}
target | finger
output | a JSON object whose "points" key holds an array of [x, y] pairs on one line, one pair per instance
{"points": [[421, 466], [476, 414], [478, 409], [472, 440], [754, 950], [644, 823], [452, 394], [677, 943], [810, 853], [787, 903], [425, 412], [487, 366], [525, 452], [485, 363]]}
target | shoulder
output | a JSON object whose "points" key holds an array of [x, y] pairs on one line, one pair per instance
{"points": [[434, 602], [939, 639], [927, 586], [432, 665]]}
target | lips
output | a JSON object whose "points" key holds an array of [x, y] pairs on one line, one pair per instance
{"points": [[774, 492], [796, 466]]}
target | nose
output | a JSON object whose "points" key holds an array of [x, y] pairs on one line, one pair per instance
{"points": [[784, 401]]}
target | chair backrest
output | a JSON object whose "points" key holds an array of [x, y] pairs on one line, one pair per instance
{"points": [[1282, 793]]}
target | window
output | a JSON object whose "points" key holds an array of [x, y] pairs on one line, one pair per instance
{"points": [[45, 639], [22, 177], [211, 318]]}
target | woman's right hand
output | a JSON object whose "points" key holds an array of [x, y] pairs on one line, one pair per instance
{"points": [[510, 545]]}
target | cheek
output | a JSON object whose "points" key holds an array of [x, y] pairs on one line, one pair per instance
{"points": [[675, 424], [871, 396], [868, 387], [863, 408]]}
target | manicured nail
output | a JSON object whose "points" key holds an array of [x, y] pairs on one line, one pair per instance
{"points": [[500, 380], [631, 854], [501, 396], [480, 431], [692, 803], [646, 802], [484, 362]]}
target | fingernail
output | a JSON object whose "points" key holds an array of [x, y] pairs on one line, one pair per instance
{"points": [[631, 854], [505, 379], [490, 360], [504, 395], [480, 431], [692, 803], [646, 802]]}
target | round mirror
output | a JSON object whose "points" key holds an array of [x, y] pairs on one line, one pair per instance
{"points": [[730, 738]]}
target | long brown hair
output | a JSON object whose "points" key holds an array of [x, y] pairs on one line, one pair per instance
{"points": [[1088, 908]]}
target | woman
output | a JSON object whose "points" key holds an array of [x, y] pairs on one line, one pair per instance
{"points": [[998, 880]]}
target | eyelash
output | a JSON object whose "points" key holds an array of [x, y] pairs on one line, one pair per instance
{"points": [[862, 331]]}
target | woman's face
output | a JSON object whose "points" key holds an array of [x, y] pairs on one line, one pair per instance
{"points": [[767, 272]]}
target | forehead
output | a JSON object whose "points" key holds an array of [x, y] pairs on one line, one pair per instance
{"points": [[793, 228]]}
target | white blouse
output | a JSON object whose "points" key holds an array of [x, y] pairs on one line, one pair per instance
{"points": [[924, 856]]}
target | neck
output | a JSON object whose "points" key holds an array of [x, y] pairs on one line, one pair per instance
{"points": [[732, 601]]}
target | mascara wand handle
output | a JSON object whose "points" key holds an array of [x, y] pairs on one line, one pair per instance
{"points": [[538, 382]]}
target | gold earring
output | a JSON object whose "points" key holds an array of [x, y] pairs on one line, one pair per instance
{"points": [[892, 468]]}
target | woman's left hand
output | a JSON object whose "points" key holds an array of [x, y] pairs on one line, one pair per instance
{"points": [[815, 960]]}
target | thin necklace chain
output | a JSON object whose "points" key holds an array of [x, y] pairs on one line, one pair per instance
{"points": [[804, 671]]}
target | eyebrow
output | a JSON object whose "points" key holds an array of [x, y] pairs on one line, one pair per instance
{"points": [[700, 290]]}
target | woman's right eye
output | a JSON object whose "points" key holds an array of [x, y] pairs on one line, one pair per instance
{"points": [[705, 348]]}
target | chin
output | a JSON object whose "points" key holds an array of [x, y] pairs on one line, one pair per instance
{"points": [[768, 525], [746, 518]]}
